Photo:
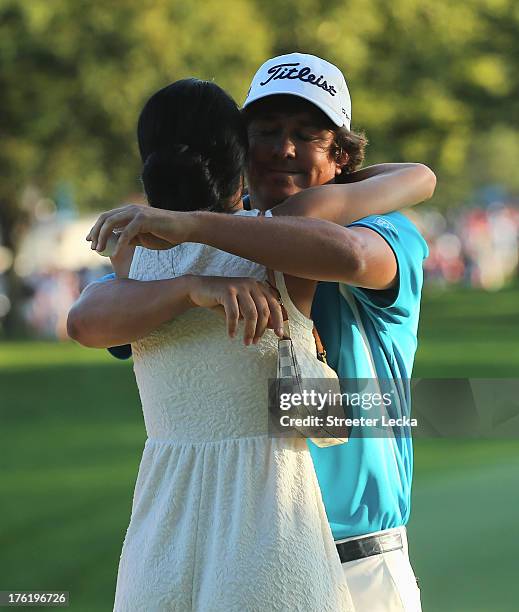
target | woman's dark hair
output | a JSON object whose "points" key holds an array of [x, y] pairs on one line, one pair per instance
{"points": [[193, 144], [353, 143]]}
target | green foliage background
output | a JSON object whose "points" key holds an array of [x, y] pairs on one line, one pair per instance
{"points": [[432, 81]]}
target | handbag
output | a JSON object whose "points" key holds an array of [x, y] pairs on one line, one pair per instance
{"points": [[294, 371]]}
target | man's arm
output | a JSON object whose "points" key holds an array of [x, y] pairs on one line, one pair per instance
{"points": [[409, 249], [123, 310], [379, 267], [321, 250], [118, 312], [325, 251]]}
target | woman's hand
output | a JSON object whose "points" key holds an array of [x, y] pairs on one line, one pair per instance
{"points": [[152, 228], [239, 298]]}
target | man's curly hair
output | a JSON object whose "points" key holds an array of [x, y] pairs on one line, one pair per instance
{"points": [[351, 142]]}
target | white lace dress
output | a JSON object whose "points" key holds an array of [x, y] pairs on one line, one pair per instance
{"points": [[224, 518]]}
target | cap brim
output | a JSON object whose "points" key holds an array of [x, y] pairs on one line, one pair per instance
{"points": [[336, 118]]}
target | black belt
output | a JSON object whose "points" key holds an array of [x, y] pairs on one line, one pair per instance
{"points": [[369, 546]]}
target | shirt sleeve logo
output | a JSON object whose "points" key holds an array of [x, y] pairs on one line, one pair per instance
{"points": [[385, 223]]}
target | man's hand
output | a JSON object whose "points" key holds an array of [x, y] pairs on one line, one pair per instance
{"points": [[240, 298], [137, 224]]}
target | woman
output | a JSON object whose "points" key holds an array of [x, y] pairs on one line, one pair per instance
{"points": [[223, 516]]}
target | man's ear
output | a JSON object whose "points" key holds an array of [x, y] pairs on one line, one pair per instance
{"points": [[342, 160]]}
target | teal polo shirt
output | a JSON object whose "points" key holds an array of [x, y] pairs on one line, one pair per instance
{"points": [[366, 483]]}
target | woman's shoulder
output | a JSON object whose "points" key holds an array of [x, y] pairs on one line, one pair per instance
{"points": [[190, 258], [193, 258], [150, 264], [121, 264]]}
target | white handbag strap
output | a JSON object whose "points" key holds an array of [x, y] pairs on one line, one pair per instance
{"points": [[286, 302], [288, 305], [279, 284]]}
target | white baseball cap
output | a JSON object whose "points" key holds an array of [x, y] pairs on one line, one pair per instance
{"points": [[306, 76]]}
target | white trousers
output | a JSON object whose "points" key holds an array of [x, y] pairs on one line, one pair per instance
{"points": [[384, 582]]}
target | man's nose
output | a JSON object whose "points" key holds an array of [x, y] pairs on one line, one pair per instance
{"points": [[284, 147]]}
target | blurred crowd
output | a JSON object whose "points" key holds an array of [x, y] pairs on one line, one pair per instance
{"points": [[49, 296], [471, 246]]}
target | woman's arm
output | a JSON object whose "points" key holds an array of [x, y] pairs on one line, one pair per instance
{"points": [[373, 190]]}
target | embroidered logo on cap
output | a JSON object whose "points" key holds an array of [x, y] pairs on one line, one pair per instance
{"points": [[304, 74]]}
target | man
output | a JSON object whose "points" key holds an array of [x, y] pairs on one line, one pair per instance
{"points": [[366, 309]]}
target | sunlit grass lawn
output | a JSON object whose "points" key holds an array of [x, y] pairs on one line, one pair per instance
{"points": [[72, 435], [469, 333]]}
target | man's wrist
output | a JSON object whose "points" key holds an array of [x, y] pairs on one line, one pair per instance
{"points": [[175, 226], [197, 224], [185, 284]]}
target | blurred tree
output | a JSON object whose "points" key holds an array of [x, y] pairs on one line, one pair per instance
{"points": [[430, 80], [74, 76]]}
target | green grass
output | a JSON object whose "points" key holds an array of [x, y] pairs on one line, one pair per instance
{"points": [[469, 333], [71, 438], [72, 434], [464, 530]]}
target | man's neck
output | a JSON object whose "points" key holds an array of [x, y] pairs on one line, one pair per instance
{"points": [[258, 203]]}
